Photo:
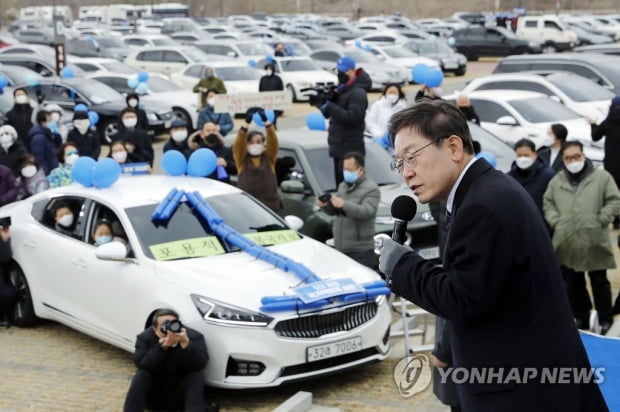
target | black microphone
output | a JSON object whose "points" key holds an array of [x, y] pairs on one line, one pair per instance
{"points": [[404, 209]]}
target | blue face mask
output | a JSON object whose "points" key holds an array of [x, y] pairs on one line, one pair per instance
{"points": [[350, 176], [103, 240]]}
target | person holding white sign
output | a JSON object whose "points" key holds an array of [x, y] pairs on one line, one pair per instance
{"points": [[207, 114]]}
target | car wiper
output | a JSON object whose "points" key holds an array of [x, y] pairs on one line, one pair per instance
{"points": [[268, 228]]}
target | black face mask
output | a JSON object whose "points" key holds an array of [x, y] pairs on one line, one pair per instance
{"points": [[465, 110], [342, 77], [212, 140]]}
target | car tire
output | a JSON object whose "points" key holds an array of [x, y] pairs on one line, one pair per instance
{"points": [[109, 129], [469, 55], [461, 71], [181, 114], [23, 311], [549, 48], [291, 89]]}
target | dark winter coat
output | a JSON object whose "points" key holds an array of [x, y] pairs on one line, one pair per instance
{"points": [[181, 147], [139, 138], [8, 188], [13, 157], [206, 115], [270, 83], [44, 147], [346, 114], [544, 153], [610, 129], [534, 180], [87, 144], [20, 117]]}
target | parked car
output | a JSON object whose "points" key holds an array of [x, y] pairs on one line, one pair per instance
{"points": [[600, 68], [182, 102], [299, 73], [343, 32], [89, 46], [380, 73], [579, 94], [106, 101], [474, 42], [37, 49], [102, 64], [379, 38], [548, 30], [175, 25], [188, 38], [612, 48], [585, 37], [244, 50], [19, 75], [43, 65], [437, 49], [36, 35], [165, 59], [148, 40], [238, 77], [402, 57], [199, 280]]}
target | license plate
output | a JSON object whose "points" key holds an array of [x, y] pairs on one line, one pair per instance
{"points": [[429, 253], [330, 350]]}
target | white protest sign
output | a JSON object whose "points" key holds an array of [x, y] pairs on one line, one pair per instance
{"points": [[241, 102]]}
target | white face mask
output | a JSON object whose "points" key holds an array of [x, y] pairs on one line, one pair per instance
{"points": [[391, 98], [21, 99], [29, 171], [6, 140], [66, 220], [132, 102], [211, 101], [130, 122], [55, 116], [256, 149], [81, 125], [524, 162], [575, 167], [547, 140], [71, 159], [120, 157], [179, 135], [269, 72]]}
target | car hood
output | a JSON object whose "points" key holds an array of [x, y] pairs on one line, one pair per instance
{"points": [[176, 98], [240, 279]]}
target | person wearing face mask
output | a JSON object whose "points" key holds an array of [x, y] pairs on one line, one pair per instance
{"points": [[355, 205], [83, 136], [530, 171], [20, 116], [208, 82], [137, 141], [549, 152], [346, 109], [55, 124], [31, 179], [61, 176], [207, 114], [103, 233], [210, 138], [43, 143], [279, 50], [8, 187], [12, 151], [255, 158], [64, 220], [133, 102], [579, 205], [178, 138], [378, 116], [465, 106], [271, 82]]}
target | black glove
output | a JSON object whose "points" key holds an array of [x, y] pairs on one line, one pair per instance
{"points": [[316, 100], [249, 113], [263, 115]]}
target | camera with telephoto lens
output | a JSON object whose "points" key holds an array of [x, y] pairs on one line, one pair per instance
{"points": [[322, 94], [173, 326]]}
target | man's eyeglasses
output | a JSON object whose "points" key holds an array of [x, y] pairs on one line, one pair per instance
{"points": [[397, 166]]}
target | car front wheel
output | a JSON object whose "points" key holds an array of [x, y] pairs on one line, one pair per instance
{"points": [[291, 89], [23, 311], [109, 129]]}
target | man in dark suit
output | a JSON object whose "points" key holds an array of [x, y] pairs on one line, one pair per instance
{"points": [[170, 367], [550, 154], [500, 287]]}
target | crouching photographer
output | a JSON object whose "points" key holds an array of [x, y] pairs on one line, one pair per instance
{"points": [[170, 358]]}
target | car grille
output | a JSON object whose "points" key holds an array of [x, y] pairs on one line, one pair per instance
{"points": [[315, 326], [324, 84]]}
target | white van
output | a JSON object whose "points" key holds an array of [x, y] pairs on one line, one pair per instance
{"points": [[548, 30]]}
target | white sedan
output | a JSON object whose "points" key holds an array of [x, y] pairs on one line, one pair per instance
{"points": [[401, 56], [183, 103], [299, 73], [111, 291], [238, 77]]}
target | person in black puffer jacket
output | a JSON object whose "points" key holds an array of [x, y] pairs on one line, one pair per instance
{"points": [[84, 136], [137, 141], [12, 151], [20, 116], [346, 109]]}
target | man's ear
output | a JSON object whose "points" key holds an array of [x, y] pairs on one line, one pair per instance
{"points": [[455, 145]]}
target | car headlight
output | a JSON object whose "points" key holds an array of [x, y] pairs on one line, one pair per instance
{"points": [[214, 311], [151, 116]]}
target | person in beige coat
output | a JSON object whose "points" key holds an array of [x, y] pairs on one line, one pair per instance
{"points": [[579, 204]]}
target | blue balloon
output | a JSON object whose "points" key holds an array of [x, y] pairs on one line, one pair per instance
{"points": [[489, 157], [270, 59], [90, 39], [93, 117], [358, 43], [32, 80], [133, 82], [3, 82], [142, 88], [433, 78], [106, 172], [418, 73], [174, 163], [143, 76], [67, 72], [202, 163], [82, 170], [252, 63], [80, 107], [368, 48], [271, 116], [316, 121]]}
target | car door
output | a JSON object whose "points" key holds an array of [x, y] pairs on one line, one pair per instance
{"points": [[173, 61], [489, 112], [117, 83], [151, 60], [494, 44]]}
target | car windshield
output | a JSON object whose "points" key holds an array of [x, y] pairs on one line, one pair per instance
{"points": [[298, 65], [160, 85], [196, 55], [434, 47], [491, 143], [398, 52], [362, 57], [110, 42], [253, 49], [163, 41], [119, 67], [611, 72], [377, 167], [542, 110], [97, 93], [508, 33], [19, 75], [298, 48], [579, 88], [236, 73], [188, 235]]}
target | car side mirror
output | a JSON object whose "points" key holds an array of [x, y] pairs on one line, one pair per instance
{"points": [[506, 121], [292, 186], [113, 251], [293, 222]]}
